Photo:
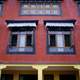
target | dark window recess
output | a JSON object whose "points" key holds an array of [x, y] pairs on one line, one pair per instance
{"points": [[6, 77], [48, 77], [28, 77], [67, 39], [67, 77], [79, 8], [59, 28], [29, 40], [1, 6], [13, 39], [52, 40]]}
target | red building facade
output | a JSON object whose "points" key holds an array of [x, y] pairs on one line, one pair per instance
{"points": [[39, 37]]}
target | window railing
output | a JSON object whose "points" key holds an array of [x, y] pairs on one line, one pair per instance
{"points": [[29, 49], [63, 50]]}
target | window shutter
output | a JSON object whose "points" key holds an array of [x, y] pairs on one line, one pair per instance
{"points": [[28, 40], [67, 39], [52, 40], [13, 40]]}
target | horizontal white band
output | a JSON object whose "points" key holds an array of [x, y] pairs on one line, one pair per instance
{"points": [[59, 24], [21, 24]]}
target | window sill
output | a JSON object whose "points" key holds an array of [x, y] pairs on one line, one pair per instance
{"points": [[26, 50], [56, 50]]}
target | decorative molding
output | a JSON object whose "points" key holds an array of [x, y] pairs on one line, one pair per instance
{"points": [[41, 67], [77, 67], [2, 66]]}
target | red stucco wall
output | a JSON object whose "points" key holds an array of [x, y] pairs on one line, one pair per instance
{"points": [[11, 12]]}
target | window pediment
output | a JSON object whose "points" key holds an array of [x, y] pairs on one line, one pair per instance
{"points": [[59, 23], [21, 25]]}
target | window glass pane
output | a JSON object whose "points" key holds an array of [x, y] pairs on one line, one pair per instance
{"points": [[28, 40], [47, 6], [47, 11], [25, 6], [60, 40], [48, 77], [40, 8], [52, 40], [33, 11], [79, 5], [6, 77], [24, 12], [79, 8], [28, 77], [56, 9], [13, 40], [33, 6], [0, 9], [67, 40], [21, 40], [68, 77], [55, 6]]}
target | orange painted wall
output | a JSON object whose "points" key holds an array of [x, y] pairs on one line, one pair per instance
{"points": [[11, 12]]}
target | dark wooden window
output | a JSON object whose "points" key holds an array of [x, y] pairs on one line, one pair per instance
{"points": [[6, 77], [1, 6], [67, 77], [60, 42], [52, 40], [48, 77], [17, 38], [28, 40], [22, 42], [13, 39], [28, 77], [67, 39]]}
